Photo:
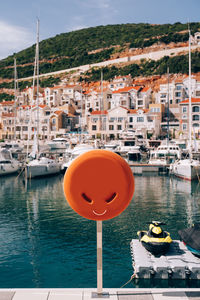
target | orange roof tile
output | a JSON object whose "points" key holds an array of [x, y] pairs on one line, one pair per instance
{"points": [[58, 112], [193, 100], [135, 111], [123, 90], [71, 115], [98, 112], [4, 103], [4, 114]]}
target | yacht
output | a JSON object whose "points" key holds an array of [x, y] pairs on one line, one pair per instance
{"points": [[165, 154], [8, 164], [58, 143], [43, 166], [14, 147], [128, 148], [188, 168], [78, 150]]}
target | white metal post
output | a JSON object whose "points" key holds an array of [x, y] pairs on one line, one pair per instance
{"points": [[99, 258]]}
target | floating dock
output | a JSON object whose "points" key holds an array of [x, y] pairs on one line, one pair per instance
{"points": [[144, 168], [178, 263]]}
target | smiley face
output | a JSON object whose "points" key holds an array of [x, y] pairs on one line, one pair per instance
{"points": [[99, 185]]}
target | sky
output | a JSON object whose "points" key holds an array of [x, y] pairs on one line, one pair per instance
{"points": [[18, 18]]}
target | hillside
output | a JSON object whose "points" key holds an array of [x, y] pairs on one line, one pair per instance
{"points": [[93, 45]]}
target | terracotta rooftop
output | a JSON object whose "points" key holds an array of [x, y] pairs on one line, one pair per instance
{"points": [[5, 103], [193, 100], [98, 112], [135, 111]]}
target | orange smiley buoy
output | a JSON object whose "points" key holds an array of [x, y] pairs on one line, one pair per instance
{"points": [[99, 185]]}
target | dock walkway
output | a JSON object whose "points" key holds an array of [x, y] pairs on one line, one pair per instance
{"points": [[112, 294]]}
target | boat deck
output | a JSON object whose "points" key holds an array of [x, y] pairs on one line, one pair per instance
{"points": [[177, 263], [87, 294]]}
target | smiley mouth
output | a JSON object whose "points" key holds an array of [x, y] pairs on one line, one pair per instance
{"points": [[100, 214]]}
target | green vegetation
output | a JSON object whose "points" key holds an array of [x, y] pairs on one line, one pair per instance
{"points": [[46, 82], [6, 97], [176, 64], [73, 49]]}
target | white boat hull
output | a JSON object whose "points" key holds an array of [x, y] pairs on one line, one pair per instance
{"points": [[38, 168], [8, 168], [186, 169]]}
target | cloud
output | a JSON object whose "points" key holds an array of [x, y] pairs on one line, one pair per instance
{"points": [[13, 39]]}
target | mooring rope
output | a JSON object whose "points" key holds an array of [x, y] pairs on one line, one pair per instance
{"points": [[132, 277]]}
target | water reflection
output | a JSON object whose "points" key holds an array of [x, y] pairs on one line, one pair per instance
{"points": [[46, 244]]}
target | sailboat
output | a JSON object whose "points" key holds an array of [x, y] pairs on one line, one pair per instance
{"points": [[8, 165], [41, 165], [188, 169]]}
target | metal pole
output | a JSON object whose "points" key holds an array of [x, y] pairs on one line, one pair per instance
{"points": [[99, 258], [168, 106]]}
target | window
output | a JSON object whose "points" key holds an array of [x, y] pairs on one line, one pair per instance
{"points": [[131, 119], [119, 127], [184, 117], [184, 126], [195, 109], [195, 118], [195, 125], [120, 119], [177, 94], [94, 127], [47, 113], [184, 109], [140, 102], [112, 120], [178, 100], [140, 119], [111, 127], [54, 121], [178, 87], [94, 120]]}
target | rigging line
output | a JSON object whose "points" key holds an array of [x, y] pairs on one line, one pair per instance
{"points": [[132, 277]]}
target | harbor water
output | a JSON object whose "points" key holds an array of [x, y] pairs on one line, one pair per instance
{"points": [[44, 243]]}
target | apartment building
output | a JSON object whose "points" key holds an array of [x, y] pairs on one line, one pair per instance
{"points": [[143, 122], [112, 122], [120, 82], [195, 117]]}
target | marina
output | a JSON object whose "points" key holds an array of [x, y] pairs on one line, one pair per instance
{"points": [[45, 244]]}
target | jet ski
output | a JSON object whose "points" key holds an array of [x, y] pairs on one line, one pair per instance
{"points": [[191, 238], [155, 240]]}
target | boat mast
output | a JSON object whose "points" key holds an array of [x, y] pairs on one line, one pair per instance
{"points": [[37, 74], [168, 106], [101, 106], [15, 88], [190, 100]]}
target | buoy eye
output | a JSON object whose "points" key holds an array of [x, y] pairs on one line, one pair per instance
{"points": [[110, 199], [86, 198]]}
